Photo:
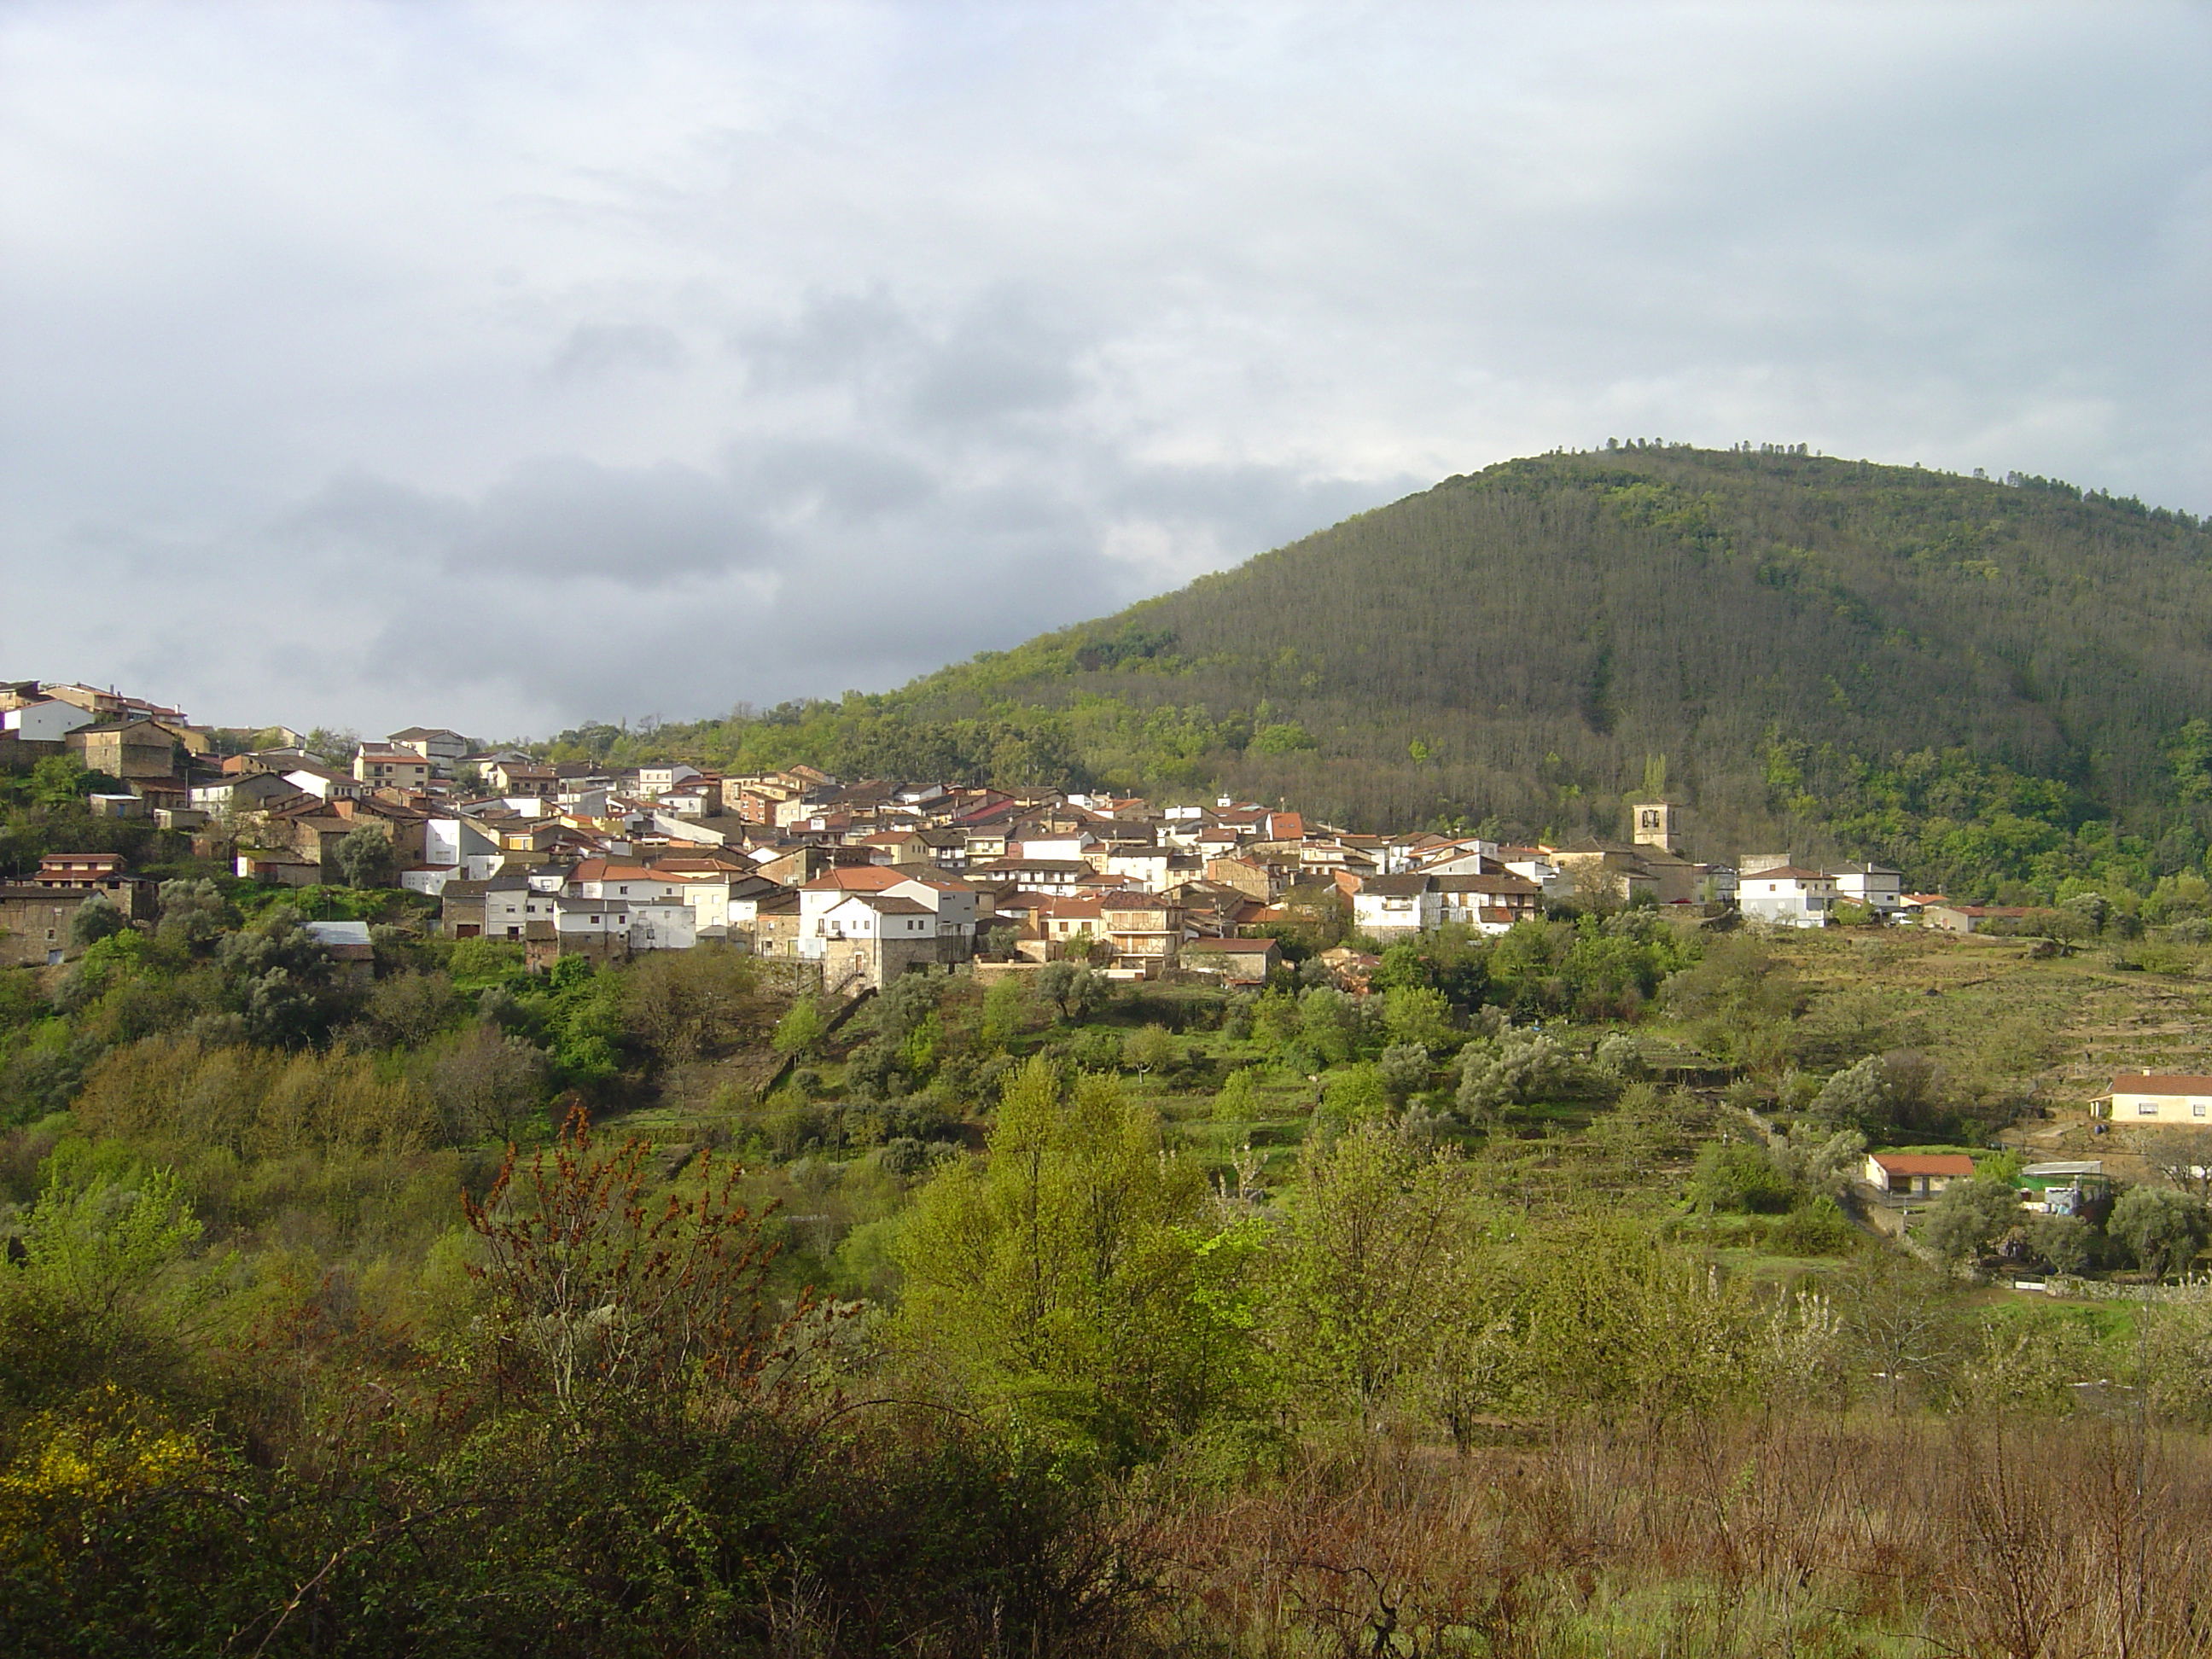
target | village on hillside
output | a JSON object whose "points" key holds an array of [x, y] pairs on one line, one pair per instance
{"points": [[865, 879]]}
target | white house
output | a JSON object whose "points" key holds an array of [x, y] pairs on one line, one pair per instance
{"points": [[1918, 1175], [457, 841], [1147, 866], [723, 903], [1876, 886], [312, 779], [2156, 1097], [1787, 895], [1387, 907], [390, 766], [692, 800], [642, 924], [1534, 863], [1488, 903], [950, 905], [453, 849], [1061, 878], [1478, 858], [603, 878], [875, 915], [654, 781], [1081, 848], [48, 720]]}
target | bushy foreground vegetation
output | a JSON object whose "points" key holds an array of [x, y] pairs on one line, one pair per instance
{"points": [[1519, 1305]]}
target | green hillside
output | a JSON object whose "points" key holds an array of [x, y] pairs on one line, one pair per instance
{"points": [[1995, 683]]}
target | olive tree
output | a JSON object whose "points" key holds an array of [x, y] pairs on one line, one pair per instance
{"points": [[1968, 1216], [2164, 1229], [364, 858]]}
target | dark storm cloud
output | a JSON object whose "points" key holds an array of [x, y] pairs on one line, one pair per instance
{"points": [[503, 367]]}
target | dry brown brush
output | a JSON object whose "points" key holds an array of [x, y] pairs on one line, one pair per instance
{"points": [[1768, 1535]]}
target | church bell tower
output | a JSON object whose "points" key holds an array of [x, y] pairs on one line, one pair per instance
{"points": [[1655, 824]]}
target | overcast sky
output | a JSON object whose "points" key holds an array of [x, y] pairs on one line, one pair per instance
{"points": [[506, 366]]}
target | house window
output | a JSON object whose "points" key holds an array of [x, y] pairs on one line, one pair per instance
{"points": [[2196, 1108], [2146, 1109]]}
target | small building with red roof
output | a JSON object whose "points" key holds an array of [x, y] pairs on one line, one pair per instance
{"points": [[1917, 1174]]}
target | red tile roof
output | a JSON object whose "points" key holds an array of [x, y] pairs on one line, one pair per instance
{"points": [[2160, 1083], [1924, 1163]]}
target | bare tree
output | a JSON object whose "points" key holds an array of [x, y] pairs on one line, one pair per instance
{"points": [[2183, 1155]]}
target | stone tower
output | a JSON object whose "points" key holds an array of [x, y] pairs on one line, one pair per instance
{"points": [[1654, 822]]}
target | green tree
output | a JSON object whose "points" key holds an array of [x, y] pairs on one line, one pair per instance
{"points": [[1969, 1215], [194, 914], [64, 781], [1372, 1243], [281, 981], [107, 1292], [1239, 1100], [97, 918], [2165, 1229], [1329, 1024], [1736, 1176], [1405, 1069], [408, 1010], [801, 1030], [364, 858], [1074, 990], [1149, 1049], [1003, 1007], [1418, 1014], [1070, 1269], [2062, 1240], [1516, 1069]]}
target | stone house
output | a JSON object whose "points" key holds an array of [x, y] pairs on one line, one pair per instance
{"points": [[1145, 930], [130, 750]]}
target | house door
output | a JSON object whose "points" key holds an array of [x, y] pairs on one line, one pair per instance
{"points": [[53, 958]]}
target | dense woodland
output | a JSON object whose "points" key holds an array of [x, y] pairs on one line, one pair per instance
{"points": [[1999, 686], [1517, 1305]]}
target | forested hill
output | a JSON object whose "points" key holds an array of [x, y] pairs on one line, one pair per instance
{"points": [[1850, 657]]}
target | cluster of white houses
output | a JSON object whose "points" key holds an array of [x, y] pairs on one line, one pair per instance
{"points": [[866, 877]]}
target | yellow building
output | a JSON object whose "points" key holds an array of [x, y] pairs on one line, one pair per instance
{"points": [[2156, 1097]]}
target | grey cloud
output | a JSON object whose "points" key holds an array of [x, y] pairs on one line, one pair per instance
{"points": [[926, 575], [650, 526], [357, 511], [850, 481], [593, 351], [997, 356], [835, 338], [1000, 359]]}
